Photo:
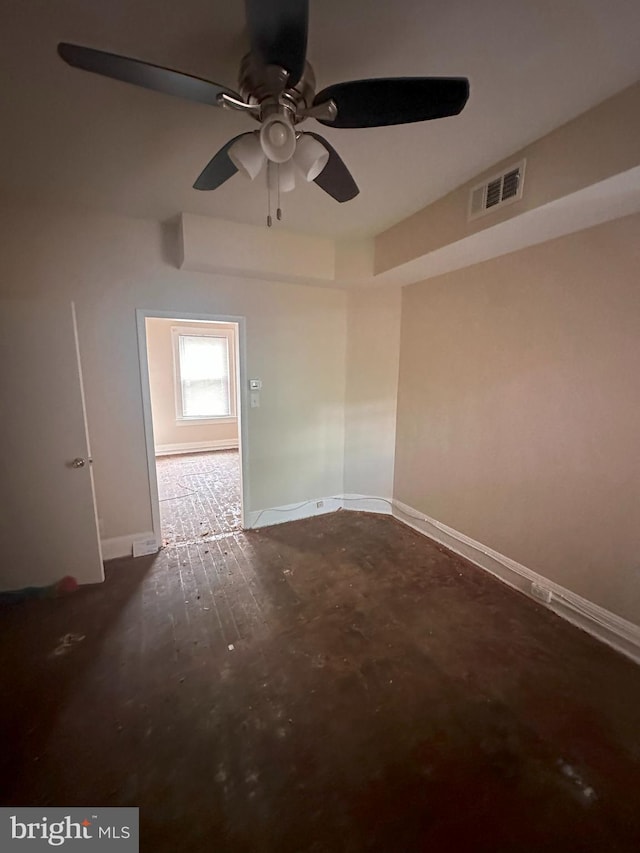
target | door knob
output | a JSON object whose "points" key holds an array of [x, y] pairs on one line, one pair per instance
{"points": [[78, 462]]}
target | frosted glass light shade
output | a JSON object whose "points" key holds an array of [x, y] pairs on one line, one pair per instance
{"points": [[277, 138], [286, 174], [310, 157], [247, 155]]}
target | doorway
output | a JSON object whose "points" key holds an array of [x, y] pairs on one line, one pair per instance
{"points": [[192, 369]]}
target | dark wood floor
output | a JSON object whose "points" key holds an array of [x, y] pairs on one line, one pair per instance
{"points": [[334, 684]]}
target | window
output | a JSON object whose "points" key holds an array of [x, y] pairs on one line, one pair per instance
{"points": [[203, 374]]}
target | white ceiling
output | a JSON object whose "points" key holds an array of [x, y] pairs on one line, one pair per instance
{"points": [[78, 139]]}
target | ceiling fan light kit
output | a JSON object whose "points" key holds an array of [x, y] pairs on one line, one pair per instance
{"points": [[247, 155], [310, 157], [277, 89], [278, 138]]}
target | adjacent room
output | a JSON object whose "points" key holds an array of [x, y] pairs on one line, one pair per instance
{"points": [[319, 517], [193, 377]]}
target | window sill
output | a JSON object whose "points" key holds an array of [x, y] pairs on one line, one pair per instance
{"points": [[227, 419]]}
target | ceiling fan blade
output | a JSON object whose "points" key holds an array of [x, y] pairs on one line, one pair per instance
{"points": [[394, 100], [143, 74], [335, 178], [219, 169], [278, 33]]}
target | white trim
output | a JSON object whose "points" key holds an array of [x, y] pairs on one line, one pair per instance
{"points": [[197, 446], [241, 396], [122, 546], [366, 503], [292, 512], [197, 422], [617, 632], [229, 335], [309, 508]]}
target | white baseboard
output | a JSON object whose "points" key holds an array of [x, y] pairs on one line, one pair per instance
{"points": [[307, 509], [367, 503], [122, 546], [617, 632], [196, 446], [292, 512]]}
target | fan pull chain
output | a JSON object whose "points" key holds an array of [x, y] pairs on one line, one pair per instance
{"points": [[278, 210], [269, 221]]}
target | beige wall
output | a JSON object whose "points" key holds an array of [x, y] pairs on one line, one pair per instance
{"points": [[213, 245], [596, 145], [373, 348], [296, 338], [519, 408], [166, 429]]}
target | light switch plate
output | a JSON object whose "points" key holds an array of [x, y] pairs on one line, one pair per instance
{"points": [[255, 384], [255, 400]]}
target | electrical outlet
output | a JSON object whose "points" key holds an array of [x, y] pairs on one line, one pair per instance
{"points": [[541, 592], [319, 504], [142, 547]]}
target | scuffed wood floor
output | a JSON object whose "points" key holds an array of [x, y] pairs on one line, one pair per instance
{"points": [[199, 495], [334, 684]]}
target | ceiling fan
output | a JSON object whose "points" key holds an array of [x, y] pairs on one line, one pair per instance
{"points": [[277, 88]]}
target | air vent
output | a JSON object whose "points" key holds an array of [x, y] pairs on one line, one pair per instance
{"points": [[493, 193], [499, 190]]}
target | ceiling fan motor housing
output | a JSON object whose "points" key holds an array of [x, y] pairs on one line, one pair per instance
{"points": [[267, 85]]}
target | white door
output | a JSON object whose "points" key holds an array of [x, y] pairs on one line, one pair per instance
{"points": [[48, 522]]}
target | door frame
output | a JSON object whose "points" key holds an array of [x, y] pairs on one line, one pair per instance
{"points": [[241, 407]]}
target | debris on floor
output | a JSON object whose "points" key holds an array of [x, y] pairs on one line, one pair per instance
{"points": [[212, 509], [66, 643]]}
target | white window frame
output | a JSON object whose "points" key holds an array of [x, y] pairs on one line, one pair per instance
{"points": [[199, 331]]}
